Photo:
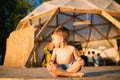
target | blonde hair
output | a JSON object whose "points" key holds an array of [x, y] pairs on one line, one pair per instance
{"points": [[62, 32]]}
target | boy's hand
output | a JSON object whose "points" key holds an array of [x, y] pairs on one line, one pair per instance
{"points": [[49, 65], [81, 61]]}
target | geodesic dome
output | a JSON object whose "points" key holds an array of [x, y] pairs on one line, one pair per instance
{"points": [[88, 21]]}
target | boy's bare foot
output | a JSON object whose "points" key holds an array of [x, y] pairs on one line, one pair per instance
{"points": [[53, 74], [52, 68], [78, 75]]}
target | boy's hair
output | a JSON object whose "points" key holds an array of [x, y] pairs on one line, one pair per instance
{"points": [[62, 32]]}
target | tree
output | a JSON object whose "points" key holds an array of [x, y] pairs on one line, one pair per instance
{"points": [[11, 12], [118, 1]]}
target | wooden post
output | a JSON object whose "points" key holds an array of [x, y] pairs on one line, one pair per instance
{"points": [[87, 22], [19, 46], [111, 19]]}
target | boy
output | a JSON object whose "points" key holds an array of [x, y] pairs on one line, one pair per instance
{"points": [[64, 60]]}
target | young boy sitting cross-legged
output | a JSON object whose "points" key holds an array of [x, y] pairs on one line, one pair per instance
{"points": [[64, 60]]}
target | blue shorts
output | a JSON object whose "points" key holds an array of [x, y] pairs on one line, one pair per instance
{"points": [[66, 66]]}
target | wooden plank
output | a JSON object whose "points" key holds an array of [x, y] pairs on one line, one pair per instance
{"points": [[94, 11], [23, 24], [90, 11], [40, 15], [19, 25], [19, 46], [111, 19], [113, 13], [91, 73], [87, 22], [43, 14]]}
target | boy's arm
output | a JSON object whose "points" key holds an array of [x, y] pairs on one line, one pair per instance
{"points": [[53, 57], [76, 54], [78, 58]]}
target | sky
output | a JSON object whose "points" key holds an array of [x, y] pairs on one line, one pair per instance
{"points": [[38, 2]]}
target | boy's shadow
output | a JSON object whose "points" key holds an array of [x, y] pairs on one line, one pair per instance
{"points": [[100, 73]]}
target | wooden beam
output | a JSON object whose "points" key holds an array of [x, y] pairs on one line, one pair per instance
{"points": [[95, 11], [23, 24], [87, 22], [114, 13], [47, 23], [66, 14], [90, 11], [26, 21], [117, 30], [111, 19], [42, 14], [18, 26], [34, 17], [26, 24]]}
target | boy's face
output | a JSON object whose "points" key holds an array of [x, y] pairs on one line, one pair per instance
{"points": [[56, 40]]}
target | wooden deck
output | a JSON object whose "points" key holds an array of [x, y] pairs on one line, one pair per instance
{"points": [[97, 73]]}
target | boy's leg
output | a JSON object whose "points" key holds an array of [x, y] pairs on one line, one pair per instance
{"points": [[76, 66], [58, 71]]}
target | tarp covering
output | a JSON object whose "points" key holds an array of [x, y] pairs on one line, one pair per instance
{"points": [[108, 5]]}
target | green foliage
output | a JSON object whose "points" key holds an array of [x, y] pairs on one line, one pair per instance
{"points": [[11, 12]]}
